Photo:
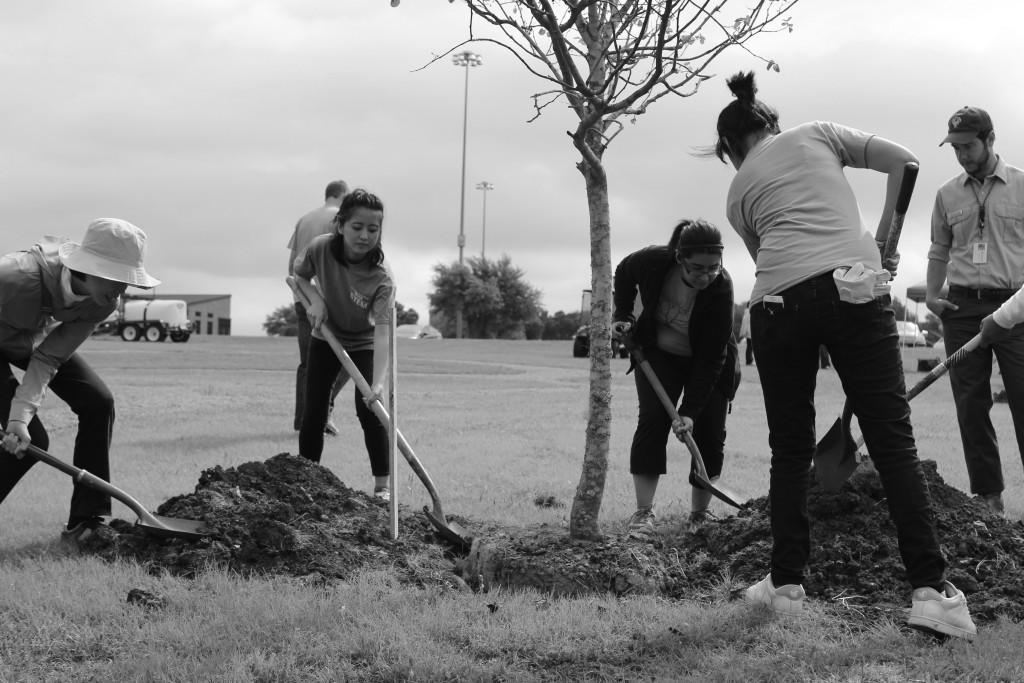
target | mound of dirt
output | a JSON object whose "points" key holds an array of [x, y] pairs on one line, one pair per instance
{"points": [[854, 563], [284, 516], [289, 516]]}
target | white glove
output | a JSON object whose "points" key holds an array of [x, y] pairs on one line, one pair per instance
{"points": [[859, 284]]}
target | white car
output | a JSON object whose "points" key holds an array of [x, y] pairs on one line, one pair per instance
{"points": [[417, 332], [910, 334]]}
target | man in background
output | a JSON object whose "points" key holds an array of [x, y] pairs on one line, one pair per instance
{"points": [[319, 221], [977, 226]]}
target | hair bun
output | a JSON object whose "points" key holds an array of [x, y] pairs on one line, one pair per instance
{"points": [[742, 86]]}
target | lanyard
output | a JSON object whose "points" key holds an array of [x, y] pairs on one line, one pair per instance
{"points": [[981, 206]]}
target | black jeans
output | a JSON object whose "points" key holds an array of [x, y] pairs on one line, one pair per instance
{"points": [[90, 399], [647, 455], [322, 373], [862, 342], [972, 389], [305, 333]]}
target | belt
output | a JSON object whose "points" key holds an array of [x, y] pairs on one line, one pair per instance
{"points": [[981, 294]]}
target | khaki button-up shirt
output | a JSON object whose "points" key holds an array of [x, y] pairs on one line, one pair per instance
{"points": [[956, 228]]}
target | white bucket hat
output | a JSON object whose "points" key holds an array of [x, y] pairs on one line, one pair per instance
{"points": [[112, 249]]}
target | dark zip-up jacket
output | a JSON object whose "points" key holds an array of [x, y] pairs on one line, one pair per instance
{"points": [[715, 354]]}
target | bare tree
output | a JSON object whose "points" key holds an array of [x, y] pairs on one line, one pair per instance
{"points": [[612, 59]]}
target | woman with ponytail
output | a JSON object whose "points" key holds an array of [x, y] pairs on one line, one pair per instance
{"points": [[797, 214], [685, 330]]}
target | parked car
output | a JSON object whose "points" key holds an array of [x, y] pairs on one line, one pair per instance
{"points": [[417, 332], [910, 334], [581, 345]]}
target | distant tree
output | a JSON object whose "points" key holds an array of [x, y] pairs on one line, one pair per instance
{"points": [[497, 302], [561, 325], [282, 322], [406, 316]]}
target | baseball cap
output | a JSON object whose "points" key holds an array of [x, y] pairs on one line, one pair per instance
{"points": [[965, 125]]}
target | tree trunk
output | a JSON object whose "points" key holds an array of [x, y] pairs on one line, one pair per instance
{"points": [[587, 503]]}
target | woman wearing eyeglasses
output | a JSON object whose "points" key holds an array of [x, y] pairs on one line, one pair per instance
{"points": [[685, 330]]}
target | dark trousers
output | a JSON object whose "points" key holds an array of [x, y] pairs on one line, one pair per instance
{"points": [[972, 390], [862, 342], [648, 453], [90, 399], [323, 370], [305, 333]]}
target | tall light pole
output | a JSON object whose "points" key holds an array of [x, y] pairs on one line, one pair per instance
{"points": [[464, 59], [485, 186]]}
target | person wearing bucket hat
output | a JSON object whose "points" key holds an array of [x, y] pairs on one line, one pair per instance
{"points": [[52, 297], [978, 251]]}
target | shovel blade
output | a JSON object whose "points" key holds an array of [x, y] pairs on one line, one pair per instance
{"points": [[717, 491], [448, 530], [171, 527], [835, 458]]}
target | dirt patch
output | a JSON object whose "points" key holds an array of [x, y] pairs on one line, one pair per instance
{"points": [[288, 516]]}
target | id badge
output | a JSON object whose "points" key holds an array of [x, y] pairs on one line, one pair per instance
{"points": [[979, 253]]}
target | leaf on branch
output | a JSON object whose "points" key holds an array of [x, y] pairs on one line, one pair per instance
{"points": [[773, 66], [740, 24]]}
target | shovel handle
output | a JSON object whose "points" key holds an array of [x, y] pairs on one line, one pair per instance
{"points": [[89, 479], [943, 367], [899, 213]]}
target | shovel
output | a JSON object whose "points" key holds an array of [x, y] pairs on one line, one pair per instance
{"points": [[190, 529], [700, 472], [449, 530], [836, 457], [837, 442]]}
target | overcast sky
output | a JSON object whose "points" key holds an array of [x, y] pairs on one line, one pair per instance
{"points": [[214, 124]]}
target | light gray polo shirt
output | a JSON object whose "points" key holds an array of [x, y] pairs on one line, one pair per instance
{"points": [[795, 210]]}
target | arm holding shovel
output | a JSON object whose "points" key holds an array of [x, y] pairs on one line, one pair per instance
{"points": [[999, 326]]}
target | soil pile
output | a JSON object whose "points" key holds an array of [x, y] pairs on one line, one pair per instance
{"points": [[855, 562], [289, 516], [284, 516]]}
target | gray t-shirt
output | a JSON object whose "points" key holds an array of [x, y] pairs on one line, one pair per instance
{"points": [[794, 208], [358, 295], [313, 224]]}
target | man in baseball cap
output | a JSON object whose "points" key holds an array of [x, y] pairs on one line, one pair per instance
{"points": [[977, 250], [52, 297]]}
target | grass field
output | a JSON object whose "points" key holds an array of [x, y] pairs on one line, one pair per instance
{"points": [[496, 423]]}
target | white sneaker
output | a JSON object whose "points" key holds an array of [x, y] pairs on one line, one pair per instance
{"points": [[382, 494], [787, 600], [944, 613]]}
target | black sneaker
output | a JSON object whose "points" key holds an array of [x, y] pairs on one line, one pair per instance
{"points": [[73, 538]]}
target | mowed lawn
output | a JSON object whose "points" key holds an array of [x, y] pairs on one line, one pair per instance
{"points": [[495, 423]]}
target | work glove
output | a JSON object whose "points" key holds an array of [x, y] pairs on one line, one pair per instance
{"points": [[16, 439], [992, 332], [859, 284]]}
